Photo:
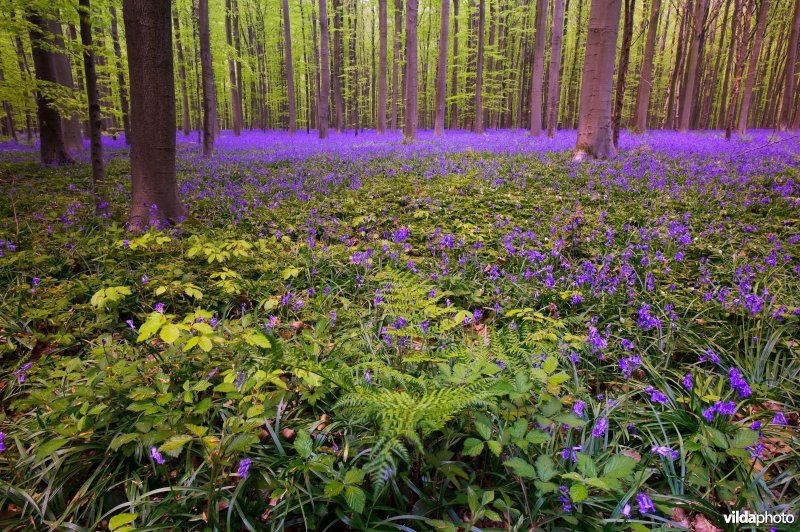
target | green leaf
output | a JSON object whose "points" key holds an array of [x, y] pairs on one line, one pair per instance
{"points": [[619, 466], [356, 498], [472, 447], [586, 465], [303, 444], [169, 333], [121, 520], [521, 468], [578, 492], [257, 339], [333, 488], [354, 476], [495, 446], [121, 440], [175, 443], [545, 467], [205, 343], [50, 447], [550, 364]]}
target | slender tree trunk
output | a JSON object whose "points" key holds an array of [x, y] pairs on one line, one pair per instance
{"points": [[123, 88], [209, 94], [755, 53], [594, 121], [789, 72], [398, 28], [287, 38], [51, 139], [741, 20], [353, 65], [454, 78], [622, 71], [574, 82], [441, 70], [338, 100], [149, 38], [25, 71], [538, 68], [554, 86], [669, 118], [9, 110], [324, 69], [412, 73], [236, 99], [96, 141], [383, 30], [186, 124], [690, 78], [70, 125], [478, 124], [705, 113], [646, 77]]}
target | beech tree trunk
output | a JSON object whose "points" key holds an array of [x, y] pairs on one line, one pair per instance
{"points": [[690, 78], [594, 118], [646, 77], [538, 67], [554, 82], [789, 82], [324, 69], [186, 124], [758, 39], [412, 73], [398, 26], [95, 138], [383, 30], [209, 94], [236, 98], [479, 68], [287, 39], [441, 70], [70, 125], [149, 38], [338, 99], [454, 78], [622, 71], [123, 88], [51, 139], [741, 24]]}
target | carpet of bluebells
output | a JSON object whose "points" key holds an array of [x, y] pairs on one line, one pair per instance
{"points": [[468, 333]]}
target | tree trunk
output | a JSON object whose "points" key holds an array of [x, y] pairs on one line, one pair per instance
{"points": [[761, 24], [789, 72], [186, 124], [690, 78], [454, 78], [574, 83], [706, 111], [10, 126], [123, 88], [338, 99], [554, 83], [741, 25], [646, 77], [95, 138], [412, 73], [538, 68], [441, 70], [383, 30], [236, 98], [324, 68], [209, 94], [622, 71], [70, 125], [398, 25], [287, 38], [669, 118], [51, 138], [353, 65], [149, 38], [594, 120], [478, 124]]}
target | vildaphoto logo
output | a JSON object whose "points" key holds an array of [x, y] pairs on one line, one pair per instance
{"points": [[766, 518]]}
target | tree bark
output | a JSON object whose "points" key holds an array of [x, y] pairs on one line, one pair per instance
{"points": [[209, 94], [479, 68], [398, 25], [70, 125], [741, 25], [758, 39], [454, 78], [538, 68], [123, 88], [236, 97], [554, 83], [622, 71], [646, 77], [95, 139], [51, 139], [287, 38], [186, 124], [149, 38], [338, 99], [712, 84], [324, 68], [789, 72], [594, 120], [693, 56], [383, 31], [441, 70], [412, 73]]}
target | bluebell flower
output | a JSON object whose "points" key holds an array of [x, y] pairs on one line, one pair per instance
{"points": [[779, 419], [628, 365], [656, 396], [687, 381], [738, 383], [666, 452], [578, 408], [645, 503], [244, 468], [600, 427], [156, 456]]}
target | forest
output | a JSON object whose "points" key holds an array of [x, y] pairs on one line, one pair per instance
{"points": [[399, 265]]}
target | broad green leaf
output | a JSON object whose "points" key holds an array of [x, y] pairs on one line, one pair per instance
{"points": [[169, 333], [619, 466], [521, 468], [175, 443], [356, 498], [472, 447], [120, 520], [50, 447], [578, 492]]}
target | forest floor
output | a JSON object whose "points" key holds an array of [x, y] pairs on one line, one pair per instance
{"points": [[471, 331]]}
